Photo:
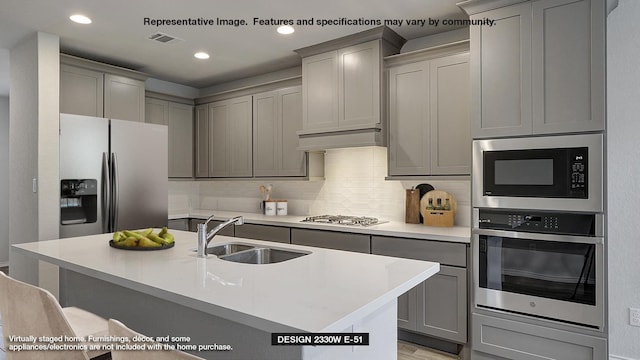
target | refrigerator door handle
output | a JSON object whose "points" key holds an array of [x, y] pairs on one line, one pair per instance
{"points": [[105, 198], [114, 192]]}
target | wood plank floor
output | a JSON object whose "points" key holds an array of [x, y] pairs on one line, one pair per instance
{"points": [[409, 351]]}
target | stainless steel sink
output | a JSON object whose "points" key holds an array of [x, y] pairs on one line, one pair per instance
{"points": [[263, 256], [227, 249]]}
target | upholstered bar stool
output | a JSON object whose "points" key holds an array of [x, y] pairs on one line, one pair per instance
{"points": [[28, 310], [116, 328]]}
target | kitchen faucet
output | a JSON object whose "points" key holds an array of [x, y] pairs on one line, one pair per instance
{"points": [[204, 238]]}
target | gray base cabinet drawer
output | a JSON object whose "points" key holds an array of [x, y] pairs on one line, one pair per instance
{"points": [[193, 226], [179, 224], [517, 340], [264, 232], [445, 253], [332, 240]]}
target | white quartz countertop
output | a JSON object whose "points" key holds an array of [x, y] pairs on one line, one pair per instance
{"points": [[325, 291], [459, 234]]}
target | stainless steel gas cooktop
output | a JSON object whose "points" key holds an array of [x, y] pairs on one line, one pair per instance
{"points": [[344, 220]]}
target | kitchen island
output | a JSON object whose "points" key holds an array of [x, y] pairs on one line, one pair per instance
{"points": [[237, 306]]}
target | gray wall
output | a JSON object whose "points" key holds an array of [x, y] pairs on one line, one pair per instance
{"points": [[623, 156], [4, 180]]}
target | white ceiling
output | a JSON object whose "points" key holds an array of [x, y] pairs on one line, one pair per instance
{"points": [[119, 36]]}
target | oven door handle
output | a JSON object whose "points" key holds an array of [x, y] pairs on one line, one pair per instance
{"points": [[538, 236]]}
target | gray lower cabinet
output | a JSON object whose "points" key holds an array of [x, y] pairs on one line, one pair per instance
{"points": [[228, 231], [264, 232], [442, 305], [496, 339], [179, 224], [408, 310], [438, 306], [331, 240]]}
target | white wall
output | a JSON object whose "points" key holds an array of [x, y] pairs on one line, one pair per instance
{"points": [[354, 185], [623, 156], [34, 149], [4, 180]]}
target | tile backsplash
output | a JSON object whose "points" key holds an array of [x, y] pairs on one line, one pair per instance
{"points": [[354, 185]]}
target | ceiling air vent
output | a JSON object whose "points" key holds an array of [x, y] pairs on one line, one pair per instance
{"points": [[164, 38]]}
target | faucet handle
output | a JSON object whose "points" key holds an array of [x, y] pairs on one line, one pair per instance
{"points": [[206, 223]]}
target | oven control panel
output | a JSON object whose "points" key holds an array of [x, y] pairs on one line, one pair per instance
{"points": [[537, 221], [578, 163]]}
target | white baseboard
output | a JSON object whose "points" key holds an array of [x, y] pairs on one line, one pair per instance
{"points": [[3, 264], [615, 357]]}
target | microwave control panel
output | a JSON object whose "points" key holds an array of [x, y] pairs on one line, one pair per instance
{"points": [[578, 158], [538, 221]]}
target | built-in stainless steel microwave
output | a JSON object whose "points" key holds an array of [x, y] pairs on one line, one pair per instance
{"points": [[547, 173]]}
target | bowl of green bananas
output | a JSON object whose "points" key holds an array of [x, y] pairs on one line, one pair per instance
{"points": [[142, 239]]}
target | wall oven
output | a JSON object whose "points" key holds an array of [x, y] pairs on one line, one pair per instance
{"points": [[553, 172], [545, 264]]}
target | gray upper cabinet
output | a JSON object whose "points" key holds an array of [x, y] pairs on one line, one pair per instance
{"points": [[342, 88], [429, 117], [501, 73], [202, 141], [539, 69], [409, 128], [320, 91], [277, 116], [124, 98], [342, 92], [359, 79], [568, 65], [179, 119], [450, 115], [81, 91], [230, 138], [95, 89], [157, 111], [180, 140]]}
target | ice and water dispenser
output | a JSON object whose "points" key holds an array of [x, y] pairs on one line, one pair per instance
{"points": [[78, 201]]}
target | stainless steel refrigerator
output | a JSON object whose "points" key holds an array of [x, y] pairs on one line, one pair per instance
{"points": [[113, 175]]}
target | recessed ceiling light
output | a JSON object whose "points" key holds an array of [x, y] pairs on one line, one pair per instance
{"points": [[80, 19], [285, 30], [201, 55]]}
